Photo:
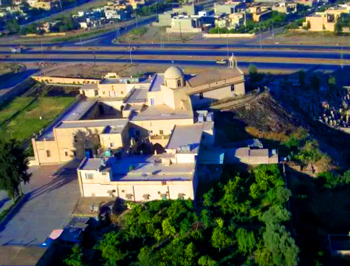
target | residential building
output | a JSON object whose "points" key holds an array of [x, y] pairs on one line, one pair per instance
{"points": [[260, 12], [285, 7], [45, 4], [185, 24], [165, 19], [228, 8], [310, 3], [188, 10], [237, 19], [325, 21]]}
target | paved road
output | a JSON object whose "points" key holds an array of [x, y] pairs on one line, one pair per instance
{"points": [[260, 65], [222, 53], [20, 77], [48, 205]]}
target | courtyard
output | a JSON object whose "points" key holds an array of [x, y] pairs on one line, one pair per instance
{"points": [[49, 202]]}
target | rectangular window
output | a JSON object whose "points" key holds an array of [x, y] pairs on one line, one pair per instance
{"points": [[161, 132], [75, 138], [163, 183], [89, 176], [111, 144], [74, 153], [232, 87], [121, 92], [96, 92], [48, 154], [66, 153]]}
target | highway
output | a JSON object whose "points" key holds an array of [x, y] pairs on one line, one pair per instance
{"points": [[260, 65], [200, 53]]}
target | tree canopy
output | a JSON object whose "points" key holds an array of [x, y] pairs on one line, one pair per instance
{"points": [[13, 168], [232, 226]]}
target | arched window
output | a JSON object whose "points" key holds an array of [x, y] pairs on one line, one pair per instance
{"points": [[179, 83]]}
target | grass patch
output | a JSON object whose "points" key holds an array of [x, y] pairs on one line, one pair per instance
{"points": [[28, 120], [7, 71], [6, 211], [81, 36], [13, 107], [134, 34]]}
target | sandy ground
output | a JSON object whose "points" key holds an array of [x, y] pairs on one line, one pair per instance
{"points": [[156, 34], [98, 70], [308, 38]]}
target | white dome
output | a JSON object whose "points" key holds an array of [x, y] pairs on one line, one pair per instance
{"points": [[173, 72]]}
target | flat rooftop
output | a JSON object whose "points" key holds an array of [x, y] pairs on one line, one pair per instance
{"points": [[144, 168], [211, 76], [186, 135], [157, 81], [117, 124], [161, 112], [125, 80], [137, 96], [72, 113]]}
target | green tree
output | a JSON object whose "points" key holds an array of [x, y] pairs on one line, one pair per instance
{"points": [[206, 261], [208, 198], [281, 245], [12, 26], [219, 239], [332, 82], [75, 258], [338, 28], [13, 168], [167, 227], [275, 214], [301, 76], [315, 82], [110, 247], [246, 241], [145, 257], [253, 72]]}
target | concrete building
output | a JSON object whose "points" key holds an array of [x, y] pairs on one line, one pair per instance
{"points": [[325, 21], [231, 22], [228, 8], [122, 112], [310, 3], [251, 156], [165, 19], [260, 12], [285, 7], [185, 24], [171, 175], [44, 4], [188, 10]]}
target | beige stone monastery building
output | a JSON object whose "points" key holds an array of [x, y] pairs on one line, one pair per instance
{"points": [[140, 138]]}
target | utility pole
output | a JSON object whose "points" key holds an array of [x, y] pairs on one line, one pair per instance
{"points": [[42, 52], [342, 56], [260, 37], [227, 50]]}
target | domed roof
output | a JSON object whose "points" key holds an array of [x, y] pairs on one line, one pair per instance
{"points": [[173, 72]]}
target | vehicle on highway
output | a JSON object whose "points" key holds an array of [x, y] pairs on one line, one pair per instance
{"points": [[221, 62], [16, 50]]}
